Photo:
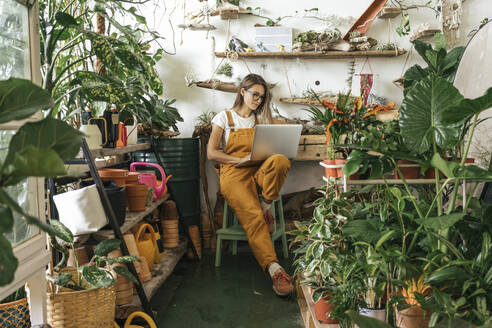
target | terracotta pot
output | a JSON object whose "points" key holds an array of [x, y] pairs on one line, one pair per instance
{"points": [[321, 310], [329, 172], [341, 161], [136, 196], [132, 177], [412, 317], [408, 172], [119, 176], [169, 211], [82, 256]]}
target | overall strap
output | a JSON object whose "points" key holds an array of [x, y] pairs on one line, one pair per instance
{"points": [[230, 120]]}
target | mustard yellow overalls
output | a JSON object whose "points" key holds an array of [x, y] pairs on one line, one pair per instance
{"points": [[240, 189]]}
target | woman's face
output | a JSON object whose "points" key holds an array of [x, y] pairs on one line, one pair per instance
{"points": [[254, 96]]}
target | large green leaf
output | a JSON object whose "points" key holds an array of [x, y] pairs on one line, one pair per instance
{"points": [[21, 98], [6, 219], [48, 134], [123, 271], [422, 111], [107, 246], [446, 167], [446, 274], [97, 277], [466, 108], [441, 222], [65, 19], [32, 161], [8, 262], [61, 231], [366, 322]]}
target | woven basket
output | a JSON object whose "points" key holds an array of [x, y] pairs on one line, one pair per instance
{"points": [[94, 308], [15, 314]]}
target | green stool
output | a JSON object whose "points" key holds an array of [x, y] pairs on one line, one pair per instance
{"points": [[236, 232]]}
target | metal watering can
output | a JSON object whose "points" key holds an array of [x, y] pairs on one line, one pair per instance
{"points": [[150, 179], [142, 315]]}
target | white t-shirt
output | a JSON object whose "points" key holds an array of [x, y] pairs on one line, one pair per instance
{"points": [[239, 123]]}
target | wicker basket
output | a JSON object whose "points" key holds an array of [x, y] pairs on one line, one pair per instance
{"points": [[15, 314], [94, 308]]}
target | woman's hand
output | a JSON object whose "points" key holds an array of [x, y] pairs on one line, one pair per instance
{"points": [[245, 158]]}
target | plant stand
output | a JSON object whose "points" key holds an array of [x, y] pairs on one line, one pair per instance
{"points": [[306, 306]]}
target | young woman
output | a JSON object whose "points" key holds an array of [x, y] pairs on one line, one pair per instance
{"points": [[235, 128]]}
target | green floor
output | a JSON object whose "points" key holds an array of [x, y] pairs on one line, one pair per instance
{"points": [[235, 295]]}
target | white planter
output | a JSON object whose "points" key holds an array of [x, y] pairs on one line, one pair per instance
{"points": [[376, 314]]}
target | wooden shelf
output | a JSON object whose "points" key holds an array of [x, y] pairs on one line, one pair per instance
{"points": [[132, 218], [317, 54], [388, 181], [389, 12], [307, 101], [119, 150], [160, 273], [425, 35]]}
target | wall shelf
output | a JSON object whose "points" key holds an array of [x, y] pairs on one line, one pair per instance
{"points": [[389, 12], [307, 101], [425, 35], [119, 150], [160, 273], [317, 54]]}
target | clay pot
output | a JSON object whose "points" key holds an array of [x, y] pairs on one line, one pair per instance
{"points": [[321, 310], [408, 172], [82, 256], [195, 239], [330, 172], [136, 196], [132, 177], [170, 233], [341, 161], [119, 176], [412, 317], [169, 211]]}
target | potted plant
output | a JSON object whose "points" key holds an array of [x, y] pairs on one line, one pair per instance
{"points": [[412, 315], [323, 259], [90, 286]]}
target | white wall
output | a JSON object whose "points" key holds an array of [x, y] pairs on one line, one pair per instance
{"points": [[195, 56]]}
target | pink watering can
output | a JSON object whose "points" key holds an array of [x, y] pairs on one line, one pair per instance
{"points": [[160, 188]]}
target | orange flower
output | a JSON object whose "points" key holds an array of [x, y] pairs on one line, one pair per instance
{"points": [[332, 107], [357, 105], [327, 130]]}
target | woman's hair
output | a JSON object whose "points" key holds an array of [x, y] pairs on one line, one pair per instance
{"points": [[263, 112]]}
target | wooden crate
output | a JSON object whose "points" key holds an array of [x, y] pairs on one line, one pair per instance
{"points": [[311, 148]]}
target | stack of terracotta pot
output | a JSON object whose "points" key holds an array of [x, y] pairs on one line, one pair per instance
{"points": [[194, 232], [169, 223], [136, 193]]}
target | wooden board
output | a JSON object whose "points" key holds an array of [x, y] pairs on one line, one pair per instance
{"points": [[232, 12], [389, 12], [311, 148], [363, 23], [221, 86], [307, 101], [318, 54], [119, 150], [425, 35], [197, 27]]}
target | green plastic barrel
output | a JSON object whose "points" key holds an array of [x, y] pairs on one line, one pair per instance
{"points": [[181, 158]]}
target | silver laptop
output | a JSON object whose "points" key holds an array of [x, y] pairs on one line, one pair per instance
{"points": [[270, 139]]}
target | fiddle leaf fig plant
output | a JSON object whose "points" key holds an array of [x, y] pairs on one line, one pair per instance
{"points": [[37, 149]]}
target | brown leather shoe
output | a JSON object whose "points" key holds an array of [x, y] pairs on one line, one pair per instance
{"points": [[269, 220], [282, 283]]}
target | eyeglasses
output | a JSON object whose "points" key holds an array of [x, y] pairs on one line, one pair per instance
{"points": [[256, 95]]}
